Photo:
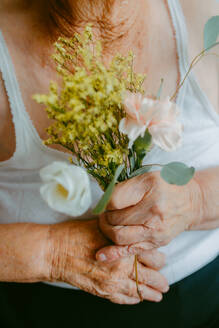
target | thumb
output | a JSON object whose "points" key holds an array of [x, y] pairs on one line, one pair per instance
{"points": [[112, 253], [130, 192]]}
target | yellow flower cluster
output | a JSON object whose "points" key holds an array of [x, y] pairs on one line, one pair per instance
{"points": [[87, 108]]}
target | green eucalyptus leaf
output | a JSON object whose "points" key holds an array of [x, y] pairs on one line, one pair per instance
{"points": [[102, 204], [177, 173], [142, 170], [212, 46], [211, 32]]}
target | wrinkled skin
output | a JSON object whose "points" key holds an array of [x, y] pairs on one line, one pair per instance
{"points": [[73, 261], [149, 211]]}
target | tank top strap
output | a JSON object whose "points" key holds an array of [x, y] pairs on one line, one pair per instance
{"points": [[181, 34], [17, 107]]}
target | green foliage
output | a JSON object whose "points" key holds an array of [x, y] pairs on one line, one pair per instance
{"points": [[177, 173], [211, 32], [142, 170], [142, 144], [102, 204], [140, 147]]}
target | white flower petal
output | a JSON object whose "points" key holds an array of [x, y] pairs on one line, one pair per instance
{"points": [[166, 110], [75, 182], [131, 129], [47, 173], [167, 136]]}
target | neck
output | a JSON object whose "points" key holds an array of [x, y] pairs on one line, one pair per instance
{"points": [[112, 20], [117, 23]]}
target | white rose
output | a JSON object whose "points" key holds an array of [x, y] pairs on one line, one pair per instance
{"points": [[66, 188]]}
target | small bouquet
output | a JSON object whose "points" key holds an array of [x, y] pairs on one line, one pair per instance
{"points": [[102, 116]]}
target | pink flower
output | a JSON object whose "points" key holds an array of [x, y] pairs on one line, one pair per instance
{"points": [[159, 117]]}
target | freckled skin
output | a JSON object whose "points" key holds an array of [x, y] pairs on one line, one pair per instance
{"points": [[140, 45], [142, 211], [32, 252], [113, 280]]}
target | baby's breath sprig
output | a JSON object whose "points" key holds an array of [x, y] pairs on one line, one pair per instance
{"points": [[87, 107]]}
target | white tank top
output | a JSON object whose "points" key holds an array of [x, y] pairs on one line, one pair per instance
{"points": [[20, 200]]}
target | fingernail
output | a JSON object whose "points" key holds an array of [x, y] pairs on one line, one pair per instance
{"points": [[166, 289], [158, 298], [102, 257]]}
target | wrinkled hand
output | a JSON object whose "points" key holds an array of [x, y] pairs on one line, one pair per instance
{"points": [[73, 246], [149, 211]]}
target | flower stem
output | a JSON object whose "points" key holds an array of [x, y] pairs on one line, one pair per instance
{"points": [[153, 165], [136, 278], [193, 63]]}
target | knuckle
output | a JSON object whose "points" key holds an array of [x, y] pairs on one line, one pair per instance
{"points": [[154, 178], [154, 237], [103, 223], [112, 217], [159, 209], [109, 287], [112, 252], [118, 236], [130, 289], [132, 274], [160, 259], [160, 238], [156, 259], [114, 202], [164, 238], [112, 234], [117, 269], [165, 241], [114, 237], [144, 276]]}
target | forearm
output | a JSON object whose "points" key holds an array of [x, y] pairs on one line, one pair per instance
{"points": [[208, 181], [23, 248]]}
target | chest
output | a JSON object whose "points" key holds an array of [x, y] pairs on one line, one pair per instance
{"points": [[34, 72], [152, 42]]}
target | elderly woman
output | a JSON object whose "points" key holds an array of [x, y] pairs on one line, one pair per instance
{"points": [[93, 258]]}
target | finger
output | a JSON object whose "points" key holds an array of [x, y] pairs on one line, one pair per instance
{"points": [[133, 215], [152, 259], [151, 278], [146, 292], [124, 235], [130, 192], [112, 253], [124, 299]]}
